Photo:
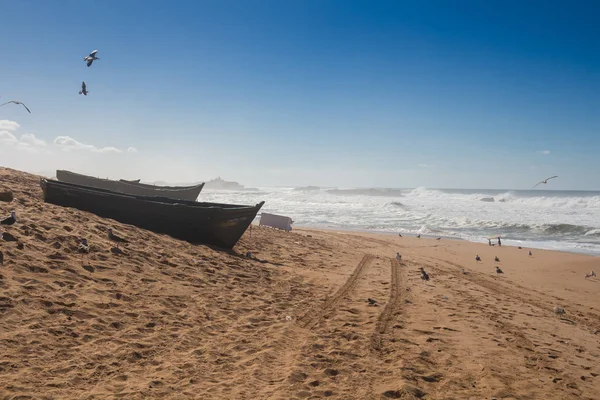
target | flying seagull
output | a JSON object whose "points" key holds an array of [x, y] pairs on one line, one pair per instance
{"points": [[16, 102], [83, 90], [90, 59], [546, 180]]}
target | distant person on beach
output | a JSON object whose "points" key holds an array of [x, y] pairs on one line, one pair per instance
{"points": [[499, 242], [489, 242]]}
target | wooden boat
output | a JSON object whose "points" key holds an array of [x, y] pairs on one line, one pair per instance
{"points": [[135, 188], [196, 222]]}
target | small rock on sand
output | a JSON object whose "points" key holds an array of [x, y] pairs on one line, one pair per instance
{"points": [[6, 196]]}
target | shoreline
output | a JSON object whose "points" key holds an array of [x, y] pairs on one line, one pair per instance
{"points": [[505, 242]]}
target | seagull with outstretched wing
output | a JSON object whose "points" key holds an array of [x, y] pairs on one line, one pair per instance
{"points": [[90, 59], [545, 180], [83, 90], [16, 102]]}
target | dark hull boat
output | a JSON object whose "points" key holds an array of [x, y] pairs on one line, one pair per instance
{"points": [[200, 223], [134, 188]]}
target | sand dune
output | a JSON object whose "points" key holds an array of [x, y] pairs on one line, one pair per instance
{"points": [[165, 319]]}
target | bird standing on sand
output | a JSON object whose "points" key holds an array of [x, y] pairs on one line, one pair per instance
{"points": [[424, 274], [83, 248], [592, 274], [498, 270], [398, 256], [83, 90], [372, 302], [477, 258], [16, 102], [419, 236], [114, 238], [530, 253], [496, 259], [463, 271], [545, 180], [90, 59], [9, 220]]}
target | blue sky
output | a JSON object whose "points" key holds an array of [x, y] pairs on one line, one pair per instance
{"points": [[462, 94]]}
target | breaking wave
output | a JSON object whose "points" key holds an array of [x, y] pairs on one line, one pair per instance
{"points": [[559, 220]]}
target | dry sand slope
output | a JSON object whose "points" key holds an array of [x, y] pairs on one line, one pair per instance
{"points": [[165, 319]]}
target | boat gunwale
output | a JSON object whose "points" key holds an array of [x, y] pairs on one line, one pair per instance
{"points": [[153, 199], [132, 184]]}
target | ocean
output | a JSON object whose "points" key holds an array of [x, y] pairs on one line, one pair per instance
{"points": [[554, 220]]}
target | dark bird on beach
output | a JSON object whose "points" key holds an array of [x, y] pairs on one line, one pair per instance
{"points": [[424, 274], [1, 258], [519, 247], [477, 258], [398, 256], [90, 59], [439, 238], [400, 235], [16, 102], [496, 259], [419, 236], [545, 180], [372, 301], [463, 271], [498, 270], [530, 253], [114, 238], [9, 220], [83, 90]]}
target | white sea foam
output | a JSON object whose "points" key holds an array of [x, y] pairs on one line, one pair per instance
{"points": [[568, 221]]}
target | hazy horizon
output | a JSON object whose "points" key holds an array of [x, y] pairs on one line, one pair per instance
{"points": [[324, 93], [52, 174]]}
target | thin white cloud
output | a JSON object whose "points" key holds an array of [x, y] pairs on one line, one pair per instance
{"points": [[30, 139], [426, 165], [544, 152], [7, 137], [28, 142], [6, 125], [67, 143]]}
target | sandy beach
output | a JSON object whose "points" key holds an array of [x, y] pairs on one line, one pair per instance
{"points": [[165, 319]]}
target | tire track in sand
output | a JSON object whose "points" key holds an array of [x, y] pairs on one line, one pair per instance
{"points": [[314, 316], [390, 309]]}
